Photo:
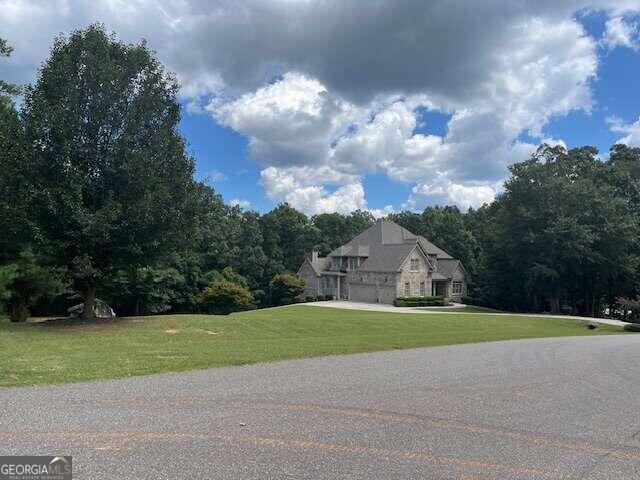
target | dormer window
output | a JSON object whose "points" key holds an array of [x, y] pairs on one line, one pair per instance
{"points": [[415, 264]]}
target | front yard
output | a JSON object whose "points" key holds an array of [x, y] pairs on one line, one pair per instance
{"points": [[56, 353]]}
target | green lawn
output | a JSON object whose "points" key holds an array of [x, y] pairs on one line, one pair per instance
{"points": [[38, 354], [466, 308]]}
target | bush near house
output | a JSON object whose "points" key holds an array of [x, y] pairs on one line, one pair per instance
{"points": [[435, 301], [224, 297], [286, 289]]}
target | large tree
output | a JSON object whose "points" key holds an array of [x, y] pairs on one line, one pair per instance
{"points": [[14, 193], [565, 234], [336, 229], [108, 164], [287, 237]]}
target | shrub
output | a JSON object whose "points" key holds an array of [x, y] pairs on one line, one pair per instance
{"points": [[632, 327], [27, 281], [310, 298], [478, 302], [224, 297], [468, 300], [286, 289], [630, 308], [435, 301]]}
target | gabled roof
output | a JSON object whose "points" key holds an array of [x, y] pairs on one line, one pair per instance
{"points": [[430, 248], [385, 233], [386, 245], [447, 266], [317, 265], [387, 258]]}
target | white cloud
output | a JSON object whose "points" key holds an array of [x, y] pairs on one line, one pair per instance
{"points": [[344, 101], [621, 32], [304, 188], [443, 191], [631, 131], [289, 122], [215, 176], [240, 202], [309, 137]]}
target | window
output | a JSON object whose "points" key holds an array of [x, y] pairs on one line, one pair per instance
{"points": [[415, 264], [407, 289], [423, 290], [458, 288]]}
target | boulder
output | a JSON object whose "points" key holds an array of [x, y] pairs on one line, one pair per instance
{"points": [[101, 310]]}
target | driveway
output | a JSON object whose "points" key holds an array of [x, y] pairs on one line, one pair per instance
{"points": [[562, 408], [455, 310]]}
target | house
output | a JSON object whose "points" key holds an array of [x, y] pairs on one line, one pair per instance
{"points": [[384, 262]]}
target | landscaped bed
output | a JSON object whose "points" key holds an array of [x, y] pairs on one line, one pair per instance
{"points": [[56, 352]]}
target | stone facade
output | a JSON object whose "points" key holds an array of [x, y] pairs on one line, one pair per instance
{"points": [[418, 279]]}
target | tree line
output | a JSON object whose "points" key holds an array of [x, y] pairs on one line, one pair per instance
{"points": [[99, 200]]}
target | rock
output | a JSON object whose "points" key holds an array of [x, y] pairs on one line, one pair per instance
{"points": [[101, 310]]}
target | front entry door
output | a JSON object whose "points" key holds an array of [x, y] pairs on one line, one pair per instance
{"points": [[441, 289]]}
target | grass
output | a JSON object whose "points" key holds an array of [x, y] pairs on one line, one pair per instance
{"points": [[466, 308], [47, 353]]}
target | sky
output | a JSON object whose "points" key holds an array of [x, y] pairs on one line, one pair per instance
{"points": [[337, 105]]}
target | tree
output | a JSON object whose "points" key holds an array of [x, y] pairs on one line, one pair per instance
{"points": [[15, 195], [227, 274], [563, 232], [15, 224], [288, 236], [336, 229], [247, 256], [7, 274], [6, 88], [285, 289], [143, 290], [224, 297], [30, 281], [109, 167]]}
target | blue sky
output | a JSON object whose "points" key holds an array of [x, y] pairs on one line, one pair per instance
{"points": [[394, 109]]}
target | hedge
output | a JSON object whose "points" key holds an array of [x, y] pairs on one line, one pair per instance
{"points": [[435, 301]]}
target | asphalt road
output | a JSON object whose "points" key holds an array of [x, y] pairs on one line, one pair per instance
{"points": [[550, 408]]}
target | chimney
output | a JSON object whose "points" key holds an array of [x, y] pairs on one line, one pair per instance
{"points": [[314, 256]]}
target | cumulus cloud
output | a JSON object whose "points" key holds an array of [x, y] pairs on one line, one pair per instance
{"points": [[326, 92], [631, 131], [621, 32], [296, 124]]}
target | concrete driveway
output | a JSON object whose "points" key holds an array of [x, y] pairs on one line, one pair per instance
{"points": [[532, 409], [455, 309]]}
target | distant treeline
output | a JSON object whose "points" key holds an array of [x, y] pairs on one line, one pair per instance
{"points": [[98, 199]]}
